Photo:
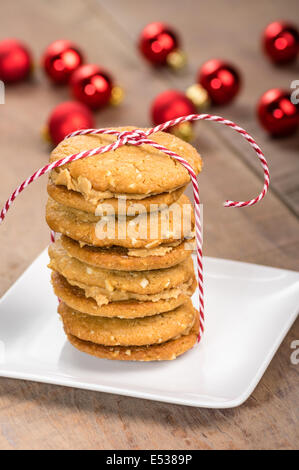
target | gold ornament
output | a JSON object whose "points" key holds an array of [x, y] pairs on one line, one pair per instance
{"points": [[117, 96], [199, 96], [176, 59], [184, 131]]}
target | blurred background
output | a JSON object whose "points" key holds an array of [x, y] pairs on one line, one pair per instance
{"points": [[107, 33]]}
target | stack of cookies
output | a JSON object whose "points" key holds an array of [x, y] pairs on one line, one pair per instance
{"points": [[122, 267]]}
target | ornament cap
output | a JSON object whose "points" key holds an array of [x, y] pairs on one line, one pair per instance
{"points": [[199, 96], [184, 131], [117, 96], [177, 59], [45, 133]]}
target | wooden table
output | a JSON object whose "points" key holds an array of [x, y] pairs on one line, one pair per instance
{"points": [[38, 416]]}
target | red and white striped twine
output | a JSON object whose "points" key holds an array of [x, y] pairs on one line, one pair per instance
{"points": [[140, 137]]}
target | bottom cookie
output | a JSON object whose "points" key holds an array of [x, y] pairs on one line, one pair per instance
{"points": [[158, 352]]}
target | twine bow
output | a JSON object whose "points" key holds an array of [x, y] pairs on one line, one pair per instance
{"points": [[140, 137]]}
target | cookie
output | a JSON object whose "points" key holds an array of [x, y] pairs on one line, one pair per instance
{"points": [[129, 170], [129, 332], [146, 282], [144, 231], [124, 259], [76, 200], [76, 298], [158, 352]]}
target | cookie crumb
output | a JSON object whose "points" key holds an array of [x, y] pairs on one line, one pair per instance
{"points": [[144, 283]]}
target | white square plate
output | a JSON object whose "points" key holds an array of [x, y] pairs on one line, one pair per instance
{"points": [[249, 310]]}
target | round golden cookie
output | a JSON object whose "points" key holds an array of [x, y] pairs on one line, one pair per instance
{"points": [[144, 282], [128, 332], [126, 170], [146, 231], [76, 200], [121, 259], [76, 299], [157, 352]]}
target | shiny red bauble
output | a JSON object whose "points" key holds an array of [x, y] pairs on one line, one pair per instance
{"points": [[91, 85], [15, 61], [281, 42], [221, 80], [157, 41], [171, 104], [277, 114], [68, 117], [61, 59]]}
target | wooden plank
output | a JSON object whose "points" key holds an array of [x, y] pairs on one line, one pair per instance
{"points": [[42, 416], [232, 31]]}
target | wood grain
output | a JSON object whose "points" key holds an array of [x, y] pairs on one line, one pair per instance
{"points": [[39, 416], [232, 31]]}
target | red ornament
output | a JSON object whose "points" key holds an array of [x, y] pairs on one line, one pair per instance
{"points": [[68, 117], [220, 79], [92, 85], [61, 59], [277, 114], [15, 61], [157, 41], [172, 104], [281, 42]]}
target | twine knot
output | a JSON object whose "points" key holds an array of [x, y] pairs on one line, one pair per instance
{"points": [[131, 137]]}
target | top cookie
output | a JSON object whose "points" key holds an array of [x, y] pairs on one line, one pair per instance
{"points": [[129, 170]]}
